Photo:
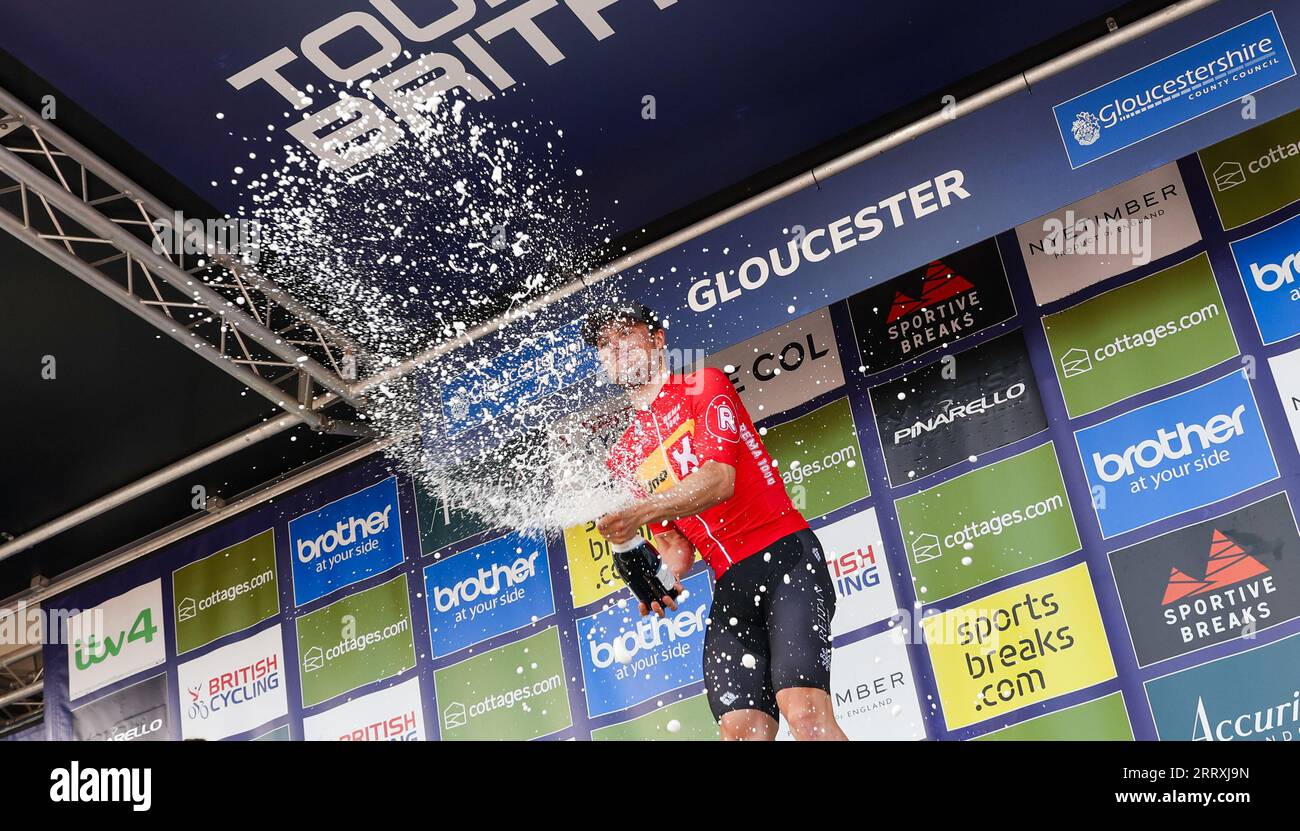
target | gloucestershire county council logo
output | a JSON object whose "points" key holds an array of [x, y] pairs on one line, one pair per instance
{"points": [[1076, 362], [1228, 175], [1086, 128]]}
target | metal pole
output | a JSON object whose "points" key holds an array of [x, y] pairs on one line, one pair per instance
{"points": [[21, 693]]}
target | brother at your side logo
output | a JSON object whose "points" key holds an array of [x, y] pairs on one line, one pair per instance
{"points": [[1269, 264], [345, 541], [1177, 454], [132, 786]]}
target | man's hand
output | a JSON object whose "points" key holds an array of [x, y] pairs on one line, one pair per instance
{"points": [[620, 526], [665, 602]]}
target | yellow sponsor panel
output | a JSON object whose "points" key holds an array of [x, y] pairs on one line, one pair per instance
{"points": [[1018, 647], [591, 569]]}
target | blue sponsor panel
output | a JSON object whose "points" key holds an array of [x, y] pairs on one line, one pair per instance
{"points": [[1269, 264], [628, 659], [490, 589], [347, 540], [1205, 76], [1177, 454], [1250, 696]]}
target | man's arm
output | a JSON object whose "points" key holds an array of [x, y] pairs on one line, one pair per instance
{"points": [[712, 484]]}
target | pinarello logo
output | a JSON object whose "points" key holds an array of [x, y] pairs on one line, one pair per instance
{"points": [[941, 283], [722, 419], [1228, 565]]}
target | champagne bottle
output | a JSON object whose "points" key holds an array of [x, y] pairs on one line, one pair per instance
{"points": [[644, 571]]}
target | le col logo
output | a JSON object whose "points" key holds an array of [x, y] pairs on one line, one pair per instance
{"points": [[789, 358], [345, 533], [488, 582], [1169, 444], [952, 412], [648, 633], [74, 783]]}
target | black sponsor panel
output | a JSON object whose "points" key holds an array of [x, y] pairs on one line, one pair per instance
{"points": [[931, 306], [1212, 582], [963, 405], [137, 713]]}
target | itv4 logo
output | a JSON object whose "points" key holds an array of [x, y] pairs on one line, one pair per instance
{"points": [[92, 650]]}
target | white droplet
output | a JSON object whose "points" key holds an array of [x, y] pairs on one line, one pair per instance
{"points": [[747, 661], [674, 726]]}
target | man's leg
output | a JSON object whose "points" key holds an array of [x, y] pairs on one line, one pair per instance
{"points": [[747, 726], [799, 629], [809, 713]]}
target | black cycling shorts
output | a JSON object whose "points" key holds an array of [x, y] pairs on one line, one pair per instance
{"points": [[770, 626]]}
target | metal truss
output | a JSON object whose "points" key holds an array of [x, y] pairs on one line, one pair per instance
{"points": [[22, 683], [70, 205]]}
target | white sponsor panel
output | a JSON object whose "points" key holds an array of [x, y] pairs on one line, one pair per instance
{"points": [[393, 715], [1286, 374], [235, 688], [116, 639], [784, 367], [1099, 252], [855, 557], [873, 691]]}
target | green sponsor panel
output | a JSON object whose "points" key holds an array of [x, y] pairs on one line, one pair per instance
{"points": [[820, 459], [689, 720], [441, 524], [363, 638], [986, 524], [1256, 172], [516, 691], [226, 592], [1140, 336], [1102, 720]]}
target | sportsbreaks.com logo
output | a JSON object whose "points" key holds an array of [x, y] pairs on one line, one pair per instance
{"points": [[1175, 455], [345, 541]]}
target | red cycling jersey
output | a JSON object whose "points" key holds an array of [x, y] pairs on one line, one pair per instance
{"points": [[695, 419]]}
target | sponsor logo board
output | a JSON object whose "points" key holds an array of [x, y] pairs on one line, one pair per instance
{"points": [[820, 459], [784, 367], [1101, 720], [116, 639], [345, 541], [227, 591], [1269, 265], [1018, 647], [1137, 337], [860, 570], [137, 713], [1256, 172], [687, 720], [395, 714], [1286, 374], [1182, 452], [961, 406], [988, 523], [235, 688]]}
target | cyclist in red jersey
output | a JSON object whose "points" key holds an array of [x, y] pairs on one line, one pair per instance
{"points": [[707, 483]]}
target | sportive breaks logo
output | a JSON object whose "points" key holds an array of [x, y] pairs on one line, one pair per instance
{"points": [[1161, 95], [345, 541], [964, 405], [496, 587], [1229, 577], [1243, 697], [988, 523], [1227, 565], [931, 306], [941, 284], [1269, 265], [1256, 172], [1177, 454], [628, 659], [1130, 339]]}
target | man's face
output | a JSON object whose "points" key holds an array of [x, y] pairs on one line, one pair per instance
{"points": [[632, 356]]}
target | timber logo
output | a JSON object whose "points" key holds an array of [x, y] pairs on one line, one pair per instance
{"points": [[1228, 565], [941, 283]]}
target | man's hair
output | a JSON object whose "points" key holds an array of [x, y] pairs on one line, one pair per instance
{"points": [[624, 315]]}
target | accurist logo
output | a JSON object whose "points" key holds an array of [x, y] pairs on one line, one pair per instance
{"points": [[1174, 455]]}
